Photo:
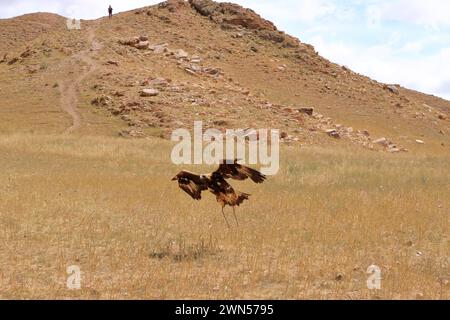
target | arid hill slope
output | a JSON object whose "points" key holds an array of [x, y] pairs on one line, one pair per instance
{"points": [[153, 69], [20, 30]]}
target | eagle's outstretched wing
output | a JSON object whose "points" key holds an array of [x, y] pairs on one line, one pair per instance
{"points": [[191, 184], [233, 170]]}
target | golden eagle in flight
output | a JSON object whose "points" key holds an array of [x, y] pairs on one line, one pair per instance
{"points": [[216, 183]]}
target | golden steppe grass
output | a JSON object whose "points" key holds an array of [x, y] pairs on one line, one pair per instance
{"points": [[108, 206]]}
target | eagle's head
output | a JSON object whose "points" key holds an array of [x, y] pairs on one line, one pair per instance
{"points": [[181, 176]]}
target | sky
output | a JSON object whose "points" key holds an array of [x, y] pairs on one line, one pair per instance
{"points": [[393, 41]]}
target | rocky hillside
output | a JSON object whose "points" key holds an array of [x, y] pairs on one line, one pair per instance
{"points": [[19, 31], [153, 69]]}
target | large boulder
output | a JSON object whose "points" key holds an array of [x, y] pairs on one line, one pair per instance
{"points": [[232, 14], [172, 5], [204, 7]]}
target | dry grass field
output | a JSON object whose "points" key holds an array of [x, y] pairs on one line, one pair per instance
{"points": [[86, 177], [108, 206]]}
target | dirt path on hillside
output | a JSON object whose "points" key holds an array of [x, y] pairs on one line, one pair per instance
{"points": [[69, 89]]}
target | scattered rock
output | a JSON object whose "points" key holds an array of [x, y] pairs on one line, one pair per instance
{"points": [[115, 111], [142, 45], [213, 71], [429, 108], [195, 68], [339, 277], [318, 116], [159, 48], [196, 59], [112, 62], [159, 82], [32, 69], [382, 142], [393, 89], [443, 281], [306, 110], [149, 93], [181, 54], [5, 58], [136, 42], [132, 133], [27, 53], [119, 94], [13, 60], [130, 42], [102, 100], [221, 123], [333, 133], [190, 71], [393, 149], [420, 141]]}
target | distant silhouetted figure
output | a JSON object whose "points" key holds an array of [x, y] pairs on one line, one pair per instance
{"points": [[110, 11]]}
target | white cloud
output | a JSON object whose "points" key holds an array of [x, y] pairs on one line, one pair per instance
{"points": [[429, 13], [430, 74], [306, 11]]}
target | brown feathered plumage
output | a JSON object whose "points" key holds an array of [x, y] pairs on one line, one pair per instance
{"points": [[216, 183]]}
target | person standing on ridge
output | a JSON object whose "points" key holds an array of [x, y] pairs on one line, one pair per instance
{"points": [[110, 11]]}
